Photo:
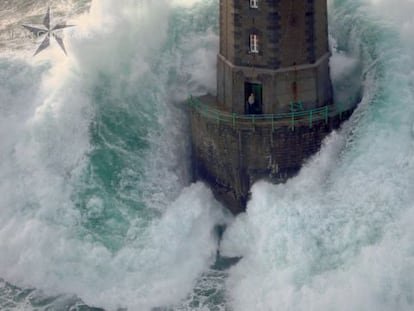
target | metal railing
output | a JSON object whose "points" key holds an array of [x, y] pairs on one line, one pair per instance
{"points": [[288, 118]]}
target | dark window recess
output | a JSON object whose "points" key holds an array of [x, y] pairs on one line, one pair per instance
{"points": [[273, 17], [273, 38], [253, 98], [237, 4], [273, 2], [310, 30], [310, 39], [273, 27]]}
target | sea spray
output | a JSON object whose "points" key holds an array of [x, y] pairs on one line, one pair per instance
{"points": [[95, 202]]}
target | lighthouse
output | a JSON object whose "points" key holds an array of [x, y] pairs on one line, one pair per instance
{"points": [[274, 102]]}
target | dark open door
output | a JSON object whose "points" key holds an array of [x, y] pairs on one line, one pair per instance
{"points": [[253, 106]]}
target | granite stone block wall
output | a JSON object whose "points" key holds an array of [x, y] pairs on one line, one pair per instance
{"points": [[231, 159]]}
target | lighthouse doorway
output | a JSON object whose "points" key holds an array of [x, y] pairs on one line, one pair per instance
{"points": [[253, 98]]}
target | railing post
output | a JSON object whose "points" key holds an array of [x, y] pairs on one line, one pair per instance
{"points": [[293, 120], [218, 117], [326, 114], [253, 119], [273, 123], [234, 119], [310, 117]]}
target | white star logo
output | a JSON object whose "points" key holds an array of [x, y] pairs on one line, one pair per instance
{"points": [[47, 31]]}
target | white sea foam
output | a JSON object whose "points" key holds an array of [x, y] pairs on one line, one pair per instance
{"points": [[46, 144]]}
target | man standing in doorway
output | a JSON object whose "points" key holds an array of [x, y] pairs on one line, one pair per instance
{"points": [[250, 101]]}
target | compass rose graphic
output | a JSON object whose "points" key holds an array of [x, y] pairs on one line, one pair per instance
{"points": [[47, 31]]}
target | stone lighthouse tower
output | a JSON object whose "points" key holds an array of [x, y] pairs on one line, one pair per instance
{"points": [[278, 50], [274, 101]]}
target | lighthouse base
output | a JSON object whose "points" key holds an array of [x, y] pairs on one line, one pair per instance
{"points": [[230, 157]]}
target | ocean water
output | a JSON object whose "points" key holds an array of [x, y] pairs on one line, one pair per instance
{"points": [[97, 208]]}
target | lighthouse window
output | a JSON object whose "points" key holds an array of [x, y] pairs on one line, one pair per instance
{"points": [[254, 4], [254, 48]]}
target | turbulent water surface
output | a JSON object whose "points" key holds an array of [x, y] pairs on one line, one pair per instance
{"points": [[97, 209]]}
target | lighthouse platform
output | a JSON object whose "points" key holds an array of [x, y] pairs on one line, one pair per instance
{"points": [[232, 151]]}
